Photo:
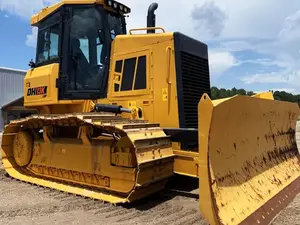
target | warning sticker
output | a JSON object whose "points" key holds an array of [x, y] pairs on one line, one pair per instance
{"points": [[165, 94], [131, 104]]}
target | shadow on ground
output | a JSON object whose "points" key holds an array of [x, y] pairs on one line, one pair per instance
{"points": [[178, 186]]}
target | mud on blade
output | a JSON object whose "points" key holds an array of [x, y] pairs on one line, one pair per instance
{"points": [[249, 162]]}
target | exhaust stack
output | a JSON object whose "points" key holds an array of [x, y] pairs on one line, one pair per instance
{"points": [[151, 20]]}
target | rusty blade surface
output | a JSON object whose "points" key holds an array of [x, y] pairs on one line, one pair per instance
{"points": [[248, 158]]}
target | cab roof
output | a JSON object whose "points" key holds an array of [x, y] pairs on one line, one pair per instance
{"points": [[35, 19]]}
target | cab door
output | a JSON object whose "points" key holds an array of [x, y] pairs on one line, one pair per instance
{"points": [[84, 67]]}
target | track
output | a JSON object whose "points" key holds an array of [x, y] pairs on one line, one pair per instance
{"points": [[22, 203]]}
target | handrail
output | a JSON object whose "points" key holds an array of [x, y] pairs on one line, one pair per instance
{"points": [[147, 28], [169, 53]]}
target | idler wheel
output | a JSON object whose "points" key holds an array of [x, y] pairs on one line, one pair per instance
{"points": [[22, 148]]}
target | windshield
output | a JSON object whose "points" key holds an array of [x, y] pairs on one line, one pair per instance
{"points": [[86, 49]]}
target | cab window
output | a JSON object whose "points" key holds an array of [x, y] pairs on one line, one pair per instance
{"points": [[48, 44]]}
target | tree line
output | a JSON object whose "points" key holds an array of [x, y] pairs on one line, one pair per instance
{"points": [[217, 93]]}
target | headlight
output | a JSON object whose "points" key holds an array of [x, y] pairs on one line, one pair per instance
{"points": [[117, 6]]}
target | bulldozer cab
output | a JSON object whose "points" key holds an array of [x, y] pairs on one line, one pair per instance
{"points": [[78, 38]]}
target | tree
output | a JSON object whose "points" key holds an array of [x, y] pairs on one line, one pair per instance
{"points": [[250, 93], [217, 93], [214, 93], [241, 92], [284, 96]]}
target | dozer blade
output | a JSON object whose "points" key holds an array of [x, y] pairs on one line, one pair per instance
{"points": [[248, 158]]}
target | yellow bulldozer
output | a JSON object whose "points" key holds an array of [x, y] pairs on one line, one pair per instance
{"points": [[121, 112]]}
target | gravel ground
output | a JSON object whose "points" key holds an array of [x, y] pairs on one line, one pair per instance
{"points": [[22, 203], [26, 204]]}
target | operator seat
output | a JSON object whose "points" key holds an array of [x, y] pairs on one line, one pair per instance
{"points": [[80, 63]]}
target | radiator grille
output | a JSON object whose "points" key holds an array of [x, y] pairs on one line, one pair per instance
{"points": [[195, 82]]}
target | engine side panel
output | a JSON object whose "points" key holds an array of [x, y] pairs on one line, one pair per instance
{"points": [[142, 76]]}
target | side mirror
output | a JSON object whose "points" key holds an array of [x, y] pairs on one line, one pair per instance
{"points": [[31, 64]]}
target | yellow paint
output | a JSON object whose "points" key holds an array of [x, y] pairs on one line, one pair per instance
{"points": [[42, 76], [207, 205], [265, 95], [186, 163], [161, 85], [117, 78], [22, 150], [243, 143], [165, 94], [50, 9], [64, 155], [161, 76], [100, 161], [131, 104]]}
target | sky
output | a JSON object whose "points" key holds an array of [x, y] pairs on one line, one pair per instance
{"points": [[253, 45]]}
